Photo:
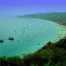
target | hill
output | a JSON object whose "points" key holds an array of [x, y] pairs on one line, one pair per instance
{"points": [[56, 17]]}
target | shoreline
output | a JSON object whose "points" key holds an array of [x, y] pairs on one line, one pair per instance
{"points": [[62, 32]]}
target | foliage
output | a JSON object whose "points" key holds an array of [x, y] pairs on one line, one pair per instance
{"points": [[56, 17]]}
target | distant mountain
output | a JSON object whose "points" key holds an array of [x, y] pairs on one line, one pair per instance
{"points": [[57, 17]]}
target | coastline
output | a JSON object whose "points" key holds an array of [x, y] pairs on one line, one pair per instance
{"points": [[62, 32]]}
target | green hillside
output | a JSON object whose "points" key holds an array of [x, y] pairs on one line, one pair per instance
{"points": [[57, 17]]}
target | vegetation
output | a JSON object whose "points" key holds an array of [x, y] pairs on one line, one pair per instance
{"points": [[56, 17], [52, 54]]}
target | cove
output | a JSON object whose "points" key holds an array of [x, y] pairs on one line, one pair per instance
{"points": [[28, 34]]}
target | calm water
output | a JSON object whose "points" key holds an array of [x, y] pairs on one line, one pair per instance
{"points": [[29, 35]]}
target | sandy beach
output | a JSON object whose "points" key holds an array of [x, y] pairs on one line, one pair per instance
{"points": [[62, 32]]}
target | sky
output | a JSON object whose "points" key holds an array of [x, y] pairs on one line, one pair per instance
{"points": [[21, 7]]}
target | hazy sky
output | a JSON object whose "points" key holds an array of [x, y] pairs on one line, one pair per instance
{"points": [[18, 7]]}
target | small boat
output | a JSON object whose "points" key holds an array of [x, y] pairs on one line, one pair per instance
{"points": [[1, 41], [11, 38]]}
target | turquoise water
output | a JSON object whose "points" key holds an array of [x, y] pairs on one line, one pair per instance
{"points": [[29, 35]]}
